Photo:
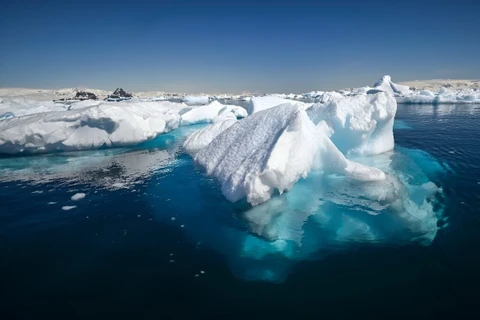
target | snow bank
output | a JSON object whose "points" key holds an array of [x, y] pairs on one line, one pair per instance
{"points": [[359, 124], [271, 150], [257, 104], [207, 113]]}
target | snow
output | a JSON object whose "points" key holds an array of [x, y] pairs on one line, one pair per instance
{"points": [[201, 99], [202, 138], [207, 113], [442, 96], [78, 196], [360, 124], [257, 104], [385, 84], [90, 124], [432, 92], [109, 125], [20, 107], [271, 150]]}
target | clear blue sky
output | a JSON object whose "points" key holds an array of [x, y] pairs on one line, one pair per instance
{"points": [[232, 46]]}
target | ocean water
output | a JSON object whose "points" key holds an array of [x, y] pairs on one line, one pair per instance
{"points": [[155, 238]]}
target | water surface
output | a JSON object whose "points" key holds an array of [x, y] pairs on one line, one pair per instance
{"points": [[155, 237]]}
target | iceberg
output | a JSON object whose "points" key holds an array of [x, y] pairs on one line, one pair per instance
{"points": [[201, 99], [441, 95], [92, 124], [360, 124], [207, 113], [10, 108], [106, 125], [270, 151], [257, 104], [385, 84], [202, 138]]}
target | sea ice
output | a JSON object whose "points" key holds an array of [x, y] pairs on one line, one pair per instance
{"points": [[92, 125], [207, 113], [78, 196], [201, 99], [202, 138], [257, 104], [360, 124], [385, 84]]}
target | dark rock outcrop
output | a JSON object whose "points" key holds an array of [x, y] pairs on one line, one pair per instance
{"points": [[119, 93], [83, 95]]}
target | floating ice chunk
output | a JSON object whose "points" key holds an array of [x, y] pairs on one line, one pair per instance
{"points": [[108, 124], [78, 196], [207, 113], [271, 150], [385, 84], [67, 208], [202, 138], [360, 124], [257, 104]]}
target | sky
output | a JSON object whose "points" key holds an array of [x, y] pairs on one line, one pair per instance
{"points": [[235, 46]]}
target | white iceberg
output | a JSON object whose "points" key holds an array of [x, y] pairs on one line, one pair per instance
{"points": [[202, 138], [360, 124], [106, 125], [438, 95], [257, 104], [271, 150], [200, 99], [207, 113], [11, 108], [385, 84], [92, 124]]}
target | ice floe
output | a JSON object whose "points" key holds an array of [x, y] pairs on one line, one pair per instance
{"points": [[92, 125]]}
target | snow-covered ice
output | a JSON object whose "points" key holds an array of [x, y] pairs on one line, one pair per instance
{"points": [[202, 138], [271, 150], [360, 124], [200, 99], [257, 104], [207, 113], [78, 196], [92, 125]]}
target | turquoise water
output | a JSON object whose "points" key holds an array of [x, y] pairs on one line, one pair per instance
{"points": [[154, 236]]}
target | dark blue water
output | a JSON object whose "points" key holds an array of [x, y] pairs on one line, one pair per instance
{"points": [[155, 238]]}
